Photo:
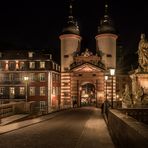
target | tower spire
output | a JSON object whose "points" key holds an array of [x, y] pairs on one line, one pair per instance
{"points": [[71, 18], [106, 14], [70, 8], [106, 23], [71, 25], [106, 9]]}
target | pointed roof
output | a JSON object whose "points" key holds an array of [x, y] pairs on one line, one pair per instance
{"points": [[106, 23], [71, 26], [87, 67]]}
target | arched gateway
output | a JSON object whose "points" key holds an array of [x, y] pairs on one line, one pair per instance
{"points": [[84, 83], [87, 84]]}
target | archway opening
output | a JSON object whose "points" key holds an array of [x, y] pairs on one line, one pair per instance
{"points": [[87, 95]]}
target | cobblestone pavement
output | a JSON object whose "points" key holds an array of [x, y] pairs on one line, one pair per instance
{"points": [[77, 128]]}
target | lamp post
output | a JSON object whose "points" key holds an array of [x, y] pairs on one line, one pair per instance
{"points": [[112, 73], [80, 89], [106, 78], [26, 94]]}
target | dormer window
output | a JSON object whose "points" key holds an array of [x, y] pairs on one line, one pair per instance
{"points": [[30, 54], [32, 65]]}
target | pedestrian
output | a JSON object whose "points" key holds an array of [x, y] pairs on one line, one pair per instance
{"points": [[102, 108]]}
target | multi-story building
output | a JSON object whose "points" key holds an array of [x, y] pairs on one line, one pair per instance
{"points": [[29, 76]]}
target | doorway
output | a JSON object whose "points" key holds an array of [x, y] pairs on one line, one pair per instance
{"points": [[87, 95]]}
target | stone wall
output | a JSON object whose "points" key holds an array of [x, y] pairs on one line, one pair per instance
{"points": [[140, 114], [127, 132]]}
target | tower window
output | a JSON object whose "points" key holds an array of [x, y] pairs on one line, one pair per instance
{"points": [[109, 55], [66, 68], [66, 56]]}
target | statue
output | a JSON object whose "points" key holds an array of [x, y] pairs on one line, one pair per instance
{"points": [[127, 100], [87, 53], [143, 53]]}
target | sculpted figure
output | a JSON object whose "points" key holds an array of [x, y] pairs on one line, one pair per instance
{"points": [[87, 53], [143, 53], [127, 96]]}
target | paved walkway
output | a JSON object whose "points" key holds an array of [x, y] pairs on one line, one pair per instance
{"points": [[10, 119], [95, 133], [86, 128], [5, 127]]}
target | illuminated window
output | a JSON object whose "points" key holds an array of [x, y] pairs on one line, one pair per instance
{"points": [[32, 65], [11, 65], [1, 77], [53, 65], [6, 67], [30, 54], [22, 90], [22, 65], [42, 104], [57, 90], [1, 65], [53, 77], [11, 92], [42, 64], [2, 90], [32, 91], [0, 55], [21, 76], [42, 76], [53, 90], [42, 91], [11, 77], [32, 76], [57, 77]]}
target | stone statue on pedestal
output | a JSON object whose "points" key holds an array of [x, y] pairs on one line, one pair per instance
{"points": [[143, 54]]}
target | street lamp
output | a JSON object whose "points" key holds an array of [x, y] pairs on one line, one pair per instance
{"points": [[26, 81], [112, 73], [106, 78], [80, 89]]}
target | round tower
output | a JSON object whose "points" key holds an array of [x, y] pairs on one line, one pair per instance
{"points": [[70, 41], [106, 40]]}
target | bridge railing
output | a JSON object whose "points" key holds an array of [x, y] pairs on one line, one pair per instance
{"points": [[127, 131]]}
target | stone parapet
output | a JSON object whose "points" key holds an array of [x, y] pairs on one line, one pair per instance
{"points": [[126, 131]]}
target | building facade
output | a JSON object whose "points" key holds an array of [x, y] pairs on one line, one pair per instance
{"points": [[83, 73], [29, 76]]}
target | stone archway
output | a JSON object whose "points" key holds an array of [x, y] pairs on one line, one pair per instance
{"points": [[87, 94]]}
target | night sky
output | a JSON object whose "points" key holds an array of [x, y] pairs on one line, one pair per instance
{"points": [[38, 24]]}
